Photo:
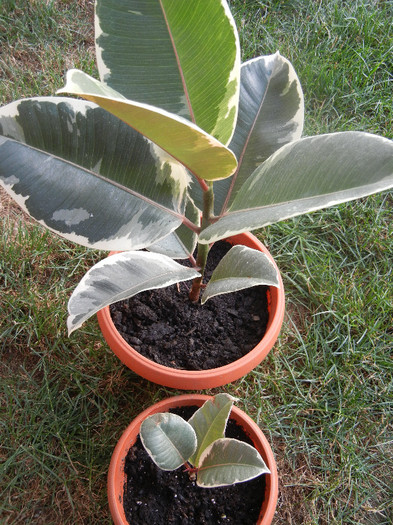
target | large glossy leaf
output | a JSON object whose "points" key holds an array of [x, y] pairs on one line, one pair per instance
{"points": [[209, 422], [178, 55], [240, 268], [201, 153], [88, 176], [168, 439], [271, 114], [228, 461], [307, 175], [121, 276]]}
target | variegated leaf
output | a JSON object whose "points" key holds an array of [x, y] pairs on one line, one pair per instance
{"points": [[86, 175], [119, 277], [307, 175], [201, 153], [228, 461], [271, 114], [181, 56], [240, 268], [181, 243], [168, 439], [209, 422]]}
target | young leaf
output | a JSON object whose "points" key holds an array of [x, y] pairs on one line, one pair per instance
{"points": [[168, 439], [209, 422], [201, 153], [181, 56], [119, 277], [307, 175], [240, 268], [229, 461]]}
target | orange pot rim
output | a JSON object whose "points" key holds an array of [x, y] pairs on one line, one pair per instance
{"points": [[116, 475], [202, 379]]}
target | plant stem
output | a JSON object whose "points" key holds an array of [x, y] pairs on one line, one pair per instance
{"points": [[192, 471], [203, 249]]}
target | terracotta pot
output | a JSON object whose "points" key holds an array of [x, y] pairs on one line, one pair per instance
{"points": [[201, 379], [116, 476]]}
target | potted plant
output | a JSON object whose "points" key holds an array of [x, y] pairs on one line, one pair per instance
{"points": [[176, 147], [171, 440], [211, 376]]}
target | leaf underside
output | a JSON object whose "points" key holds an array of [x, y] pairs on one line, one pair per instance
{"points": [[168, 439], [240, 268], [201, 153]]}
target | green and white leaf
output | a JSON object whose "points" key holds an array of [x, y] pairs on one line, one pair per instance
{"points": [[87, 176], [209, 422], [201, 153], [242, 267], [181, 243], [228, 461], [178, 245], [307, 175], [119, 277], [181, 56], [168, 439], [271, 114]]}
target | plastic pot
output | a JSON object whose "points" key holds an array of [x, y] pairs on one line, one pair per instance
{"points": [[202, 379], [116, 475]]}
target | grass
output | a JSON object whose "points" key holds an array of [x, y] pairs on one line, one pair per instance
{"points": [[41, 40], [324, 395]]}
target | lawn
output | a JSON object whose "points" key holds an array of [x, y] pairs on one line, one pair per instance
{"points": [[323, 396]]}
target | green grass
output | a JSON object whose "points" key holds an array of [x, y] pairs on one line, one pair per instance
{"points": [[324, 395], [342, 52], [40, 41]]}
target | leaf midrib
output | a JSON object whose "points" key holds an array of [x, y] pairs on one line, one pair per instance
{"points": [[240, 162], [103, 178], [183, 80]]}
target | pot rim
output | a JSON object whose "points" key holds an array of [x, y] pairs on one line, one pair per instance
{"points": [[213, 377], [116, 476]]}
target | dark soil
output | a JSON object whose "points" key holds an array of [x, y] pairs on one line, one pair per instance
{"points": [[167, 328], [153, 496]]}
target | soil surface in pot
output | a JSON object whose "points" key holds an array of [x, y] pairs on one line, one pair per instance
{"points": [[164, 326], [153, 496]]}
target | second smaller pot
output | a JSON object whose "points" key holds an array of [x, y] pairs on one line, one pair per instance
{"points": [[117, 476]]}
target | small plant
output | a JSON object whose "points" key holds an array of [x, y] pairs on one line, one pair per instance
{"points": [[177, 146], [200, 444]]}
